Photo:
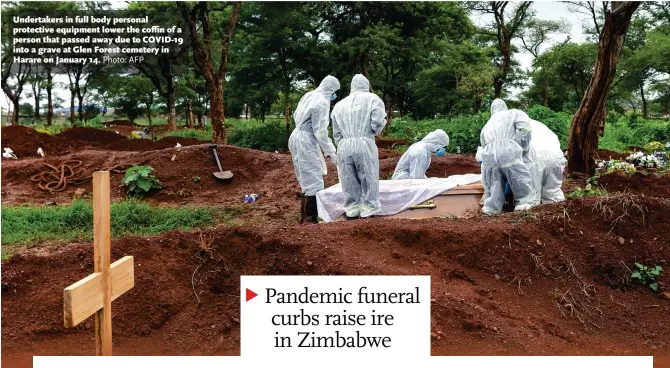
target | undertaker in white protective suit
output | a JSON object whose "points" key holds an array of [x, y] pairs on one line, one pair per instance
{"points": [[357, 119]]}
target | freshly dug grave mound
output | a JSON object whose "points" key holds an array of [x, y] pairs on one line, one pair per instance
{"points": [[93, 137], [388, 143], [25, 141], [121, 123], [651, 184], [441, 167], [607, 155], [553, 281]]}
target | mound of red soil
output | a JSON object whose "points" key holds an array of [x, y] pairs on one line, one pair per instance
{"points": [[440, 167], [120, 123], [610, 155], [550, 282], [91, 136], [25, 141], [390, 142], [650, 184], [149, 145]]}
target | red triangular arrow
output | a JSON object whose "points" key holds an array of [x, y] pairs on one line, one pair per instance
{"points": [[251, 295]]}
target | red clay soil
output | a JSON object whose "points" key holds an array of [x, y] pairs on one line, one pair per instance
{"points": [[25, 141], [607, 155], [548, 282], [651, 184], [390, 142]]}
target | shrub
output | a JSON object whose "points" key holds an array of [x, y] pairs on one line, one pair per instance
{"points": [[140, 180], [202, 135], [647, 275], [270, 136]]}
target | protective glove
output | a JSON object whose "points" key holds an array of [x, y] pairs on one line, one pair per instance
{"points": [[478, 156]]}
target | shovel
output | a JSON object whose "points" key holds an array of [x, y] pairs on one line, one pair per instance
{"points": [[220, 175]]}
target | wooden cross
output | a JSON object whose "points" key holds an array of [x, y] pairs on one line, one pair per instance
{"points": [[94, 294]]}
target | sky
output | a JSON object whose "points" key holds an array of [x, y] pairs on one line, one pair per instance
{"points": [[547, 10]]}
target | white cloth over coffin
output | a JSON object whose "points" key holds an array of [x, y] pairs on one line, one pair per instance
{"points": [[395, 195]]}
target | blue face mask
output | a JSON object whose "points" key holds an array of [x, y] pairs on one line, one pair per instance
{"points": [[440, 152], [333, 97]]}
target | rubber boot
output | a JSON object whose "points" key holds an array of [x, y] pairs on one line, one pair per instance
{"points": [[303, 209], [312, 210]]}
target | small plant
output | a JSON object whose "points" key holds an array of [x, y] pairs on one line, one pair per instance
{"points": [[647, 275], [140, 180], [196, 179], [400, 148], [617, 165], [135, 135], [589, 191]]}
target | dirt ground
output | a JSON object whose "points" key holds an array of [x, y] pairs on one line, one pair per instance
{"points": [[552, 281]]}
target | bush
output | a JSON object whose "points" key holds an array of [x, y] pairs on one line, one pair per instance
{"points": [[270, 136], [140, 180], [463, 131]]}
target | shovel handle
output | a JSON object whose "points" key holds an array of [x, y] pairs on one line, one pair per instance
{"points": [[216, 157]]}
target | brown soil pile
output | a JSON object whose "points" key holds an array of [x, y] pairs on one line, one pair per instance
{"points": [[390, 142], [553, 281], [121, 123], [25, 141], [93, 137], [441, 167], [607, 155], [651, 184]]}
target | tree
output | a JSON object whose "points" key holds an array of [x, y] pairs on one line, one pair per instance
{"points": [[202, 54], [589, 121], [535, 36], [503, 31], [13, 90]]}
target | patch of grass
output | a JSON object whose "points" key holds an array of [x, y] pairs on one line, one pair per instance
{"points": [[647, 275], [201, 135], [32, 224], [589, 191]]}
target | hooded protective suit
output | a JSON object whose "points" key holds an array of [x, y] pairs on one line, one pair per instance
{"points": [[357, 119], [545, 162], [496, 106], [416, 160], [504, 139], [310, 136]]}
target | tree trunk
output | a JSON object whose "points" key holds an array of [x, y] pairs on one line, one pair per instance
{"points": [[497, 86], [15, 115], [216, 113], [50, 105], [644, 100], [36, 93], [73, 118], [588, 123], [189, 113], [149, 103], [172, 110], [80, 108], [200, 122], [478, 104], [246, 111]]}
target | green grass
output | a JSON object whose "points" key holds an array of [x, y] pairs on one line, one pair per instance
{"points": [[202, 135], [32, 224]]}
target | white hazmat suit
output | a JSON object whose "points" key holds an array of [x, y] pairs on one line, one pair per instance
{"points": [[357, 119], [504, 139], [546, 163], [310, 136], [416, 160]]}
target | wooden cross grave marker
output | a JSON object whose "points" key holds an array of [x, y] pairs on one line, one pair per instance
{"points": [[94, 294]]}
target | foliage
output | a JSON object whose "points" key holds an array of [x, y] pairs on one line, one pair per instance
{"points": [[139, 180], [199, 134], [654, 146], [270, 136], [33, 224], [647, 275], [589, 191]]}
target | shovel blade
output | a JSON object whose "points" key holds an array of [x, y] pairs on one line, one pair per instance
{"points": [[223, 175]]}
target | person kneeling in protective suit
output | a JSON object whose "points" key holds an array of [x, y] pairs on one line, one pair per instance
{"points": [[416, 160], [546, 163], [357, 119], [308, 140], [504, 139], [496, 106]]}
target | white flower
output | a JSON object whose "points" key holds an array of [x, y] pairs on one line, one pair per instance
{"points": [[40, 152]]}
